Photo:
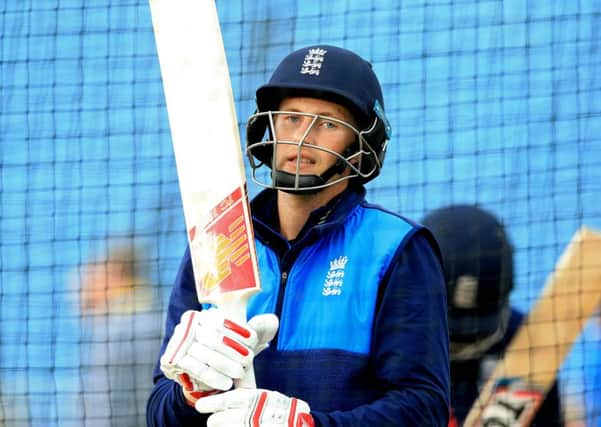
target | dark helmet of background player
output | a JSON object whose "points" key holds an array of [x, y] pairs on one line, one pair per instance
{"points": [[340, 76], [478, 263]]}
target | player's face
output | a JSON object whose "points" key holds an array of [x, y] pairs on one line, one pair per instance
{"points": [[324, 132]]}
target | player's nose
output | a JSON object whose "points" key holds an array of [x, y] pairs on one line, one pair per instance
{"points": [[306, 133]]}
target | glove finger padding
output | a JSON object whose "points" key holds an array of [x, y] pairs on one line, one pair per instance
{"points": [[266, 326], [211, 349], [254, 408]]}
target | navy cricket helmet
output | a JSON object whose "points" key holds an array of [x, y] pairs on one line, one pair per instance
{"points": [[333, 74], [478, 263]]}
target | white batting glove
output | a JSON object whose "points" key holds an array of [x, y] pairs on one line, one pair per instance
{"points": [[266, 326], [207, 350], [512, 406], [255, 408]]}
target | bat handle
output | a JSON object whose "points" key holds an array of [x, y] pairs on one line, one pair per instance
{"points": [[236, 308], [248, 380]]}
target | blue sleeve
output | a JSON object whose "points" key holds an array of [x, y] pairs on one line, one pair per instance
{"points": [[166, 405], [410, 345]]}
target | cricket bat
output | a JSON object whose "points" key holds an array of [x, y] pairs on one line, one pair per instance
{"points": [[206, 145], [537, 351]]}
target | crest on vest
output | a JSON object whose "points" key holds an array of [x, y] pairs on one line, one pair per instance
{"points": [[332, 285]]}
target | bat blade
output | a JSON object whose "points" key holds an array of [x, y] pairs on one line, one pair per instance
{"points": [[206, 145], [535, 354]]}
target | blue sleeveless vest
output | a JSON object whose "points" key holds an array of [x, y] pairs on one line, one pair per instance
{"points": [[331, 290]]}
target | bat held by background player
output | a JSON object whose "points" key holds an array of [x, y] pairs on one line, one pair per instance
{"points": [[519, 383]]}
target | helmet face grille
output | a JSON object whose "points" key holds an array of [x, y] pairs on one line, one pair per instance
{"points": [[359, 158]]}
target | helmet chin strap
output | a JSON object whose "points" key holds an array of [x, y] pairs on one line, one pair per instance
{"points": [[475, 350], [306, 183]]}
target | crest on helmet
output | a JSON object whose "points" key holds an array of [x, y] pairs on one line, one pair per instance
{"points": [[312, 62]]}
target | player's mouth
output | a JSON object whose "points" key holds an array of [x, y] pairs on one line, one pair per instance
{"points": [[305, 162]]}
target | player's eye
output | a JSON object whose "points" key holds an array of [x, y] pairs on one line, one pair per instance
{"points": [[292, 118], [327, 124]]}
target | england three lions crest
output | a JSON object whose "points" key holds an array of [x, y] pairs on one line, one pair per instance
{"points": [[313, 62], [334, 280]]}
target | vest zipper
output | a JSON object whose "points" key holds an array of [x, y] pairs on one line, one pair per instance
{"points": [[280, 303]]}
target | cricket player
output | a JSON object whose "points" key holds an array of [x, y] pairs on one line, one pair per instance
{"points": [[350, 327], [478, 261]]}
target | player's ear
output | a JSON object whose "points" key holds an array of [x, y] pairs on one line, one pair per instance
{"points": [[353, 153], [256, 128]]}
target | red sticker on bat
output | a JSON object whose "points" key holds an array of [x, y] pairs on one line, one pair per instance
{"points": [[222, 256]]}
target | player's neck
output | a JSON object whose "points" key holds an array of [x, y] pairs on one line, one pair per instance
{"points": [[294, 209]]}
